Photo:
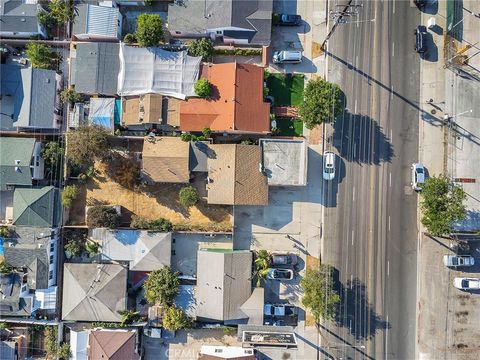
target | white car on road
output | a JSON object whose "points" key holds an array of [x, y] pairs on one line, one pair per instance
{"points": [[328, 165], [458, 260], [467, 283], [418, 176]]}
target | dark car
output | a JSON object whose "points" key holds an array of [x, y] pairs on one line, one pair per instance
{"points": [[287, 20], [421, 39], [284, 260], [420, 3]]}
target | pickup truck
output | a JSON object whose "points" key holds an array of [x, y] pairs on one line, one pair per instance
{"points": [[279, 310], [287, 20]]}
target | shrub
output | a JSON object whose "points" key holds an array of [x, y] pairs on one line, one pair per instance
{"points": [[203, 88], [188, 196], [4, 232], [202, 47], [139, 222], [70, 192], [74, 247], [130, 39], [149, 29], [206, 132], [52, 153], [161, 286], [102, 216], [68, 95], [175, 319], [5, 268], [91, 247], [160, 224], [238, 52], [186, 137]]}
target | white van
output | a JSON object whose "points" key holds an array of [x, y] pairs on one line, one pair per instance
{"points": [[287, 57]]}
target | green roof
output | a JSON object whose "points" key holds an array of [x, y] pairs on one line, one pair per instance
{"points": [[15, 159], [36, 207]]}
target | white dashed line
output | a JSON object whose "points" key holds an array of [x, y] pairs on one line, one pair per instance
{"points": [[353, 194], [390, 179], [388, 223], [353, 233], [393, 49]]}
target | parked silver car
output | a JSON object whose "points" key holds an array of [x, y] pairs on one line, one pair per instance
{"points": [[418, 176], [458, 260], [467, 283]]}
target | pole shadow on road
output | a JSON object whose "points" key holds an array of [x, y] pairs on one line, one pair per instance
{"points": [[355, 312], [359, 138]]}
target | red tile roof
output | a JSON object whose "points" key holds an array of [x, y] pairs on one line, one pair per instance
{"points": [[236, 104]]}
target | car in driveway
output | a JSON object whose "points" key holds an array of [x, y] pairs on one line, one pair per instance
{"points": [[420, 3], [287, 19], [280, 274], [279, 310], [284, 260], [418, 176], [421, 39], [328, 165], [467, 283], [458, 260]]}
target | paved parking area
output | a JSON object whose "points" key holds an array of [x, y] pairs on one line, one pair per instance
{"points": [[448, 318]]}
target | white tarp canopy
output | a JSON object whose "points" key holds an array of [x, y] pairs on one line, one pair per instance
{"points": [[153, 70], [102, 112]]}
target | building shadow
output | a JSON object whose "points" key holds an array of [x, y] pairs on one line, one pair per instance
{"points": [[359, 138], [431, 54]]}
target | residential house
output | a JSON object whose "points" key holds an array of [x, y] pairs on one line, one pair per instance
{"points": [[13, 348], [20, 162], [19, 19], [225, 295], [102, 113], [118, 344], [239, 22], [284, 161], [157, 71], [165, 160], [97, 23], [94, 68], [142, 110], [235, 176], [144, 250], [31, 287], [210, 352], [37, 207], [94, 292], [236, 104], [29, 98]]}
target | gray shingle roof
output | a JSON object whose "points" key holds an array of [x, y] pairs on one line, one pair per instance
{"points": [[94, 292], [253, 16], [36, 262], [36, 207], [95, 68], [221, 293], [15, 16], [15, 159], [10, 303], [32, 97]]}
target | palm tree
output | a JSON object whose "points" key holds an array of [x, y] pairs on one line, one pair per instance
{"points": [[129, 316], [261, 276], [262, 259]]}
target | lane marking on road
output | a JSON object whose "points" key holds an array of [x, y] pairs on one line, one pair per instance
{"points": [[356, 60], [390, 179], [391, 93], [388, 270], [355, 109], [351, 281], [393, 49], [386, 340], [353, 234], [391, 134], [353, 194], [388, 222], [394, 6]]}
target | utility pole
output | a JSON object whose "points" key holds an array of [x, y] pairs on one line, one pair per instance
{"points": [[341, 14]]}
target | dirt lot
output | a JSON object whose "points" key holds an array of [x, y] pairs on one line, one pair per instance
{"points": [[151, 202]]}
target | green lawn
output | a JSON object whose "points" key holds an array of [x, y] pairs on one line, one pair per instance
{"points": [[286, 89], [288, 127]]}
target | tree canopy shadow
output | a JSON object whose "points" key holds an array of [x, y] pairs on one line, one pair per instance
{"points": [[356, 313], [359, 138]]}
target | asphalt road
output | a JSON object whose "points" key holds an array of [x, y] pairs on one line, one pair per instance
{"points": [[370, 216]]}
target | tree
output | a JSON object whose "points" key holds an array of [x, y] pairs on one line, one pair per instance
{"points": [[202, 47], [63, 351], [70, 192], [41, 56], [69, 96], [203, 88], [442, 205], [52, 153], [149, 30], [262, 265], [322, 103], [319, 295], [87, 143], [175, 319], [74, 247], [127, 173], [206, 132], [5, 268], [102, 216], [4, 232], [161, 286], [188, 196], [138, 222], [186, 137], [61, 11], [52, 349]]}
